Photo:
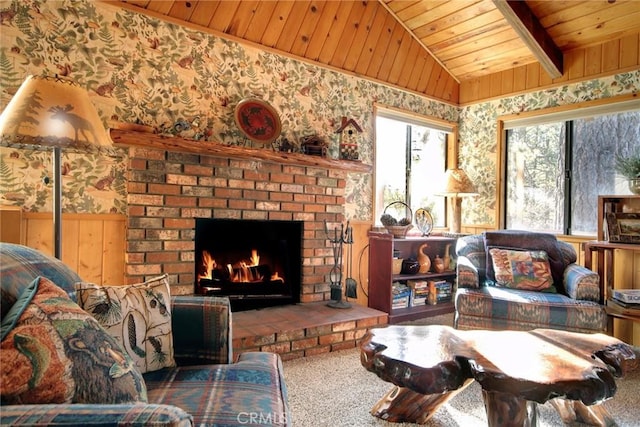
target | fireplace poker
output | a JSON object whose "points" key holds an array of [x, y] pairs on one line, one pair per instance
{"points": [[350, 284], [335, 274]]}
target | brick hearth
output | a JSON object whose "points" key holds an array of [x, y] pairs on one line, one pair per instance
{"points": [[303, 329]]}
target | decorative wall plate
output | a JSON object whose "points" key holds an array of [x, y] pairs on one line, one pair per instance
{"points": [[424, 221], [258, 120]]}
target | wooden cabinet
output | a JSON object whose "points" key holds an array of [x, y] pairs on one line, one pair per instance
{"points": [[617, 264], [381, 275]]}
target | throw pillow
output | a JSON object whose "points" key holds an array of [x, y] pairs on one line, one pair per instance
{"points": [[54, 352], [521, 240], [527, 270], [139, 316], [20, 265]]}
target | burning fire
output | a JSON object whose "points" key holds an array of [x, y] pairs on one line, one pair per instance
{"points": [[243, 271], [208, 264]]}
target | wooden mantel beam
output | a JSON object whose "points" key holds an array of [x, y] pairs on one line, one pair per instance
{"points": [[170, 143], [533, 34]]}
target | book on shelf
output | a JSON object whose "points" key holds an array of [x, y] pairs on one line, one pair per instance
{"points": [[419, 297], [418, 301], [629, 296], [439, 291], [401, 295], [400, 289], [616, 307], [625, 304], [418, 284], [400, 303]]}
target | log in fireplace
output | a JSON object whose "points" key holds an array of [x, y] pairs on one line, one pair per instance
{"points": [[255, 263]]}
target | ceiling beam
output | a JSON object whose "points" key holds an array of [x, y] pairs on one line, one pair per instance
{"points": [[533, 34]]}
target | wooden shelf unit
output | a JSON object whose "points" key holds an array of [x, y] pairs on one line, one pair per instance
{"points": [[628, 203], [381, 277], [614, 262]]}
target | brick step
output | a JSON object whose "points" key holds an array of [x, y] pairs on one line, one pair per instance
{"points": [[303, 329]]}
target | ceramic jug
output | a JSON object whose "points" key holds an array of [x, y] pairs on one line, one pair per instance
{"points": [[410, 266], [447, 258], [423, 259], [438, 264]]}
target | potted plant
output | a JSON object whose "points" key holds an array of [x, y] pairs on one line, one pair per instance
{"points": [[629, 168]]}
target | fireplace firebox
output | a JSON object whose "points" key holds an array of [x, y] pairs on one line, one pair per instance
{"points": [[255, 263]]}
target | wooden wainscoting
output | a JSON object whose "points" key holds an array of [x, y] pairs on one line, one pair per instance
{"points": [[92, 244], [360, 265]]}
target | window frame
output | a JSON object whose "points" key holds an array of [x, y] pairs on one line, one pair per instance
{"points": [[618, 104], [450, 128]]}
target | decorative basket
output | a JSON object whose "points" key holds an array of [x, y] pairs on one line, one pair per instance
{"points": [[399, 231]]}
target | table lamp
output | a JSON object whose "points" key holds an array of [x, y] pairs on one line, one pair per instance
{"points": [[53, 113], [457, 185]]}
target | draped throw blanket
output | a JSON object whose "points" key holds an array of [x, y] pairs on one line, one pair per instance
{"points": [[527, 240]]}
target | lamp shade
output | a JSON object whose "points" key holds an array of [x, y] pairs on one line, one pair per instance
{"points": [[458, 184], [53, 112]]}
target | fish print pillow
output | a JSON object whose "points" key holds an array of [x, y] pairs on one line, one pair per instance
{"points": [[139, 316]]}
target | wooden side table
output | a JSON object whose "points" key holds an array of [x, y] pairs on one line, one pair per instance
{"points": [[604, 267]]}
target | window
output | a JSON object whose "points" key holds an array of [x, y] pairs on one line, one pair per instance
{"points": [[411, 158], [556, 169]]}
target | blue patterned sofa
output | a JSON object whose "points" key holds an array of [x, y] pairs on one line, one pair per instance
{"points": [[481, 304], [204, 387]]}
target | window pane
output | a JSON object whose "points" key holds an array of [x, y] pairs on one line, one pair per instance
{"points": [[428, 154], [410, 164], [597, 142], [391, 163], [535, 178]]}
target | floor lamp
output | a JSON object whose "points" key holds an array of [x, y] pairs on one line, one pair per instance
{"points": [[53, 113], [457, 185]]}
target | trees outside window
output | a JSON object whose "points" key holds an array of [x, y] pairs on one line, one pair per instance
{"points": [[555, 171]]}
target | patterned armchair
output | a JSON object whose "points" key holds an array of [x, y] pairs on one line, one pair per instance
{"points": [[574, 303]]}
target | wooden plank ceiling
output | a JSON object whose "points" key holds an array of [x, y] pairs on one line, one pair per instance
{"points": [[426, 46]]}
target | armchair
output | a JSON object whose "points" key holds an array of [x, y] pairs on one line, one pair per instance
{"points": [[482, 304]]}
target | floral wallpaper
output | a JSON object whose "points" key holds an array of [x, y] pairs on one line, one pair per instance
{"points": [[478, 133], [180, 81]]}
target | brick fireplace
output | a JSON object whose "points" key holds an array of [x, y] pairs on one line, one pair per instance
{"points": [[169, 188], [171, 182]]}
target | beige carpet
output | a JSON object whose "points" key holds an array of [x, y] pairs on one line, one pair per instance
{"points": [[334, 390]]}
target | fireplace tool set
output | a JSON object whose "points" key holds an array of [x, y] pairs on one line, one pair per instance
{"points": [[341, 237]]}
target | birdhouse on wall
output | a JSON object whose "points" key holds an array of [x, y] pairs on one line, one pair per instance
{"points": [[349, 135]]}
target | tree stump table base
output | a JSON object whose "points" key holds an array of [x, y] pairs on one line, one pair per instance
{"points": [[402, 405], [516, 369]]}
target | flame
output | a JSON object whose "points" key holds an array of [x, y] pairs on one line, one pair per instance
{"points": [[208, 264], [242, 271], [245, 273], [255, 258]]}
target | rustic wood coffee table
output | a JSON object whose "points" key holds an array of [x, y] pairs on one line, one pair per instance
{"points": [[516, 369]]}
